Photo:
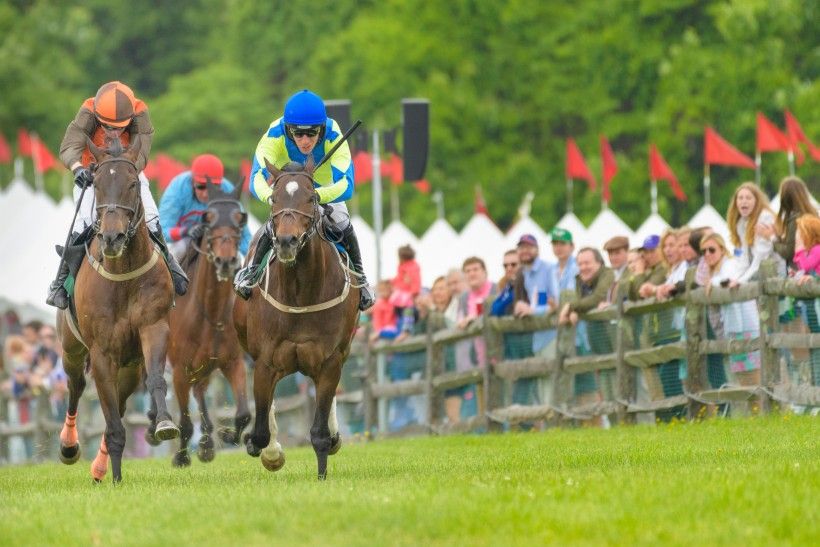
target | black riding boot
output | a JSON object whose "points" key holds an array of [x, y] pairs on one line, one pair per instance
{"points": [[351, 245], [57, 295], [246, 279], [177, 273]]}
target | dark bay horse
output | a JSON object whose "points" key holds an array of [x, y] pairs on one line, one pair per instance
{"points": [[301, 317], [202, 334], [122, 295]]}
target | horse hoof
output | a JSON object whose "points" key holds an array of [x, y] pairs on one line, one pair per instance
{"points": [[166, 430], [181, 459], [336, 444], [150, 439], [229, 436], [205, 455], [274, 465], [70, 454], [252, 449], [322, 477]]}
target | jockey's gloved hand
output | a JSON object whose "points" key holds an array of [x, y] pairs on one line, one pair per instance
{"points": [[195, 231], [82, 177]]}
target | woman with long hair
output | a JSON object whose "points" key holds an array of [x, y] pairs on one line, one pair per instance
{"points": [[795, 202], [750, 207], [735, 321]]}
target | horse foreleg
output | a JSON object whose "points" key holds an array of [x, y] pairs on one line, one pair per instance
{"points": [[320, 434], [105, 377], [69, 439], [273, 457], [236, 376], [182, 389], [205, 453], [154, 340], [263, 382]]}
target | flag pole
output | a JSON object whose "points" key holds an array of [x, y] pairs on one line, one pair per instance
{"points": [[790, 155], [706, 184], [569, 195], [438, 198], [377, 203], [758, 162], [653, 192]]}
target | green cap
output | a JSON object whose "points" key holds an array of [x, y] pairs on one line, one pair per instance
{"points": [[559, 234]]}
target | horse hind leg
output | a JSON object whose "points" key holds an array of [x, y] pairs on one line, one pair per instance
{"points": [[272, 456], [99, 467], [320, 434], [206, 451], [154, 344], [186, 427]]}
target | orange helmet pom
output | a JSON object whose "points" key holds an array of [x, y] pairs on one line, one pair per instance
{"points": [[114, 104]]}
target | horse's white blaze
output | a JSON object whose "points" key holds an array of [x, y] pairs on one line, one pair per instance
{"points": [[332, 423], [111, 171], [291, 187]]}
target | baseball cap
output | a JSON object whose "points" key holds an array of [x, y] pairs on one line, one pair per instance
{"points": [[560, 234], [651, 242], [615, 243], [528, 239]]}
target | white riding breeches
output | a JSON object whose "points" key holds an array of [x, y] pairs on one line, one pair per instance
{"points": [[340, 215], [88, 214]]}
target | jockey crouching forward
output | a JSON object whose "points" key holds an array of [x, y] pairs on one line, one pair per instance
{"points": [[114, 113], [305, 130], [186, 199]]}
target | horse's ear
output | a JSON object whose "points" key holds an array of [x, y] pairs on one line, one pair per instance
{"points": [[273, 172], [214, 190], [310, 165], [134, 148], [237, 192], [96, 152]]}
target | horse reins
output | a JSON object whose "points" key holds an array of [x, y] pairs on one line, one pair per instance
{"points": [[314, 217], [134, 220]]}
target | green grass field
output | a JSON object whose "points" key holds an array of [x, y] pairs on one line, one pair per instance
{"points": [[732, 482]]}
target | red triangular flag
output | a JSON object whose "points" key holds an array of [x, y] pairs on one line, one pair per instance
{"points": [[5, 150], [245, 174], [576, 166], [362, 167], [480, 204], [796, 136], [769, 137], [660, 170], [719, 151], [393, 168], [23, 143], [43, 158], [609, 168], [422, 186], [163, 169]]}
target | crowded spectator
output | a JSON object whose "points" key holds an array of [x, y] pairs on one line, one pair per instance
{"points": [[17, 358], [655, 270], [807, 248], [795, 202], [433, 304], [562, 248], [617, 250], [385, 319], [734, 321], [407, 283], [750, 207], [635, 268], [537, 291], [674, 254], [455, 285], [503, 304]]}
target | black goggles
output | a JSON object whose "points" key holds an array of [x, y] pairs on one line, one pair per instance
{"points": [[304, 131]]}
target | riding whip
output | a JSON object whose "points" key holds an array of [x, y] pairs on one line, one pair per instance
{"points": [[338, 144], [71, 229]]}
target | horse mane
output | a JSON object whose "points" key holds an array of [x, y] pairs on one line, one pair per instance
{"points": [[191, 257]]}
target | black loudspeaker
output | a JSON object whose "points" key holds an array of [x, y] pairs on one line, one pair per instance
{"points": [[389, 136], [339, 110], [416, 122]]}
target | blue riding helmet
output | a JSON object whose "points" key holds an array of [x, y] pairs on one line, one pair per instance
{"points": [[305, 109]]}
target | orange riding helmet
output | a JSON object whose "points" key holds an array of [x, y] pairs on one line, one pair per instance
{"points": [[114, 104]]}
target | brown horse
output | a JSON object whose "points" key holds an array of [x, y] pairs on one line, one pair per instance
{"points": [[300, 318], [202, 334], [122, 296]]}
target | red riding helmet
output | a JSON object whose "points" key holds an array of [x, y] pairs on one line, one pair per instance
{"points": [[114, 104], [207, 167]]}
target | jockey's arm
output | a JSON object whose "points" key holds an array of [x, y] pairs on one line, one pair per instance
{"points": [[171, 206], [340, 168], [141, 125], [74, 140]]}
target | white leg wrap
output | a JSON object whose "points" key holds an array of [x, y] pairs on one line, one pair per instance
{"points": [[332, 422]]}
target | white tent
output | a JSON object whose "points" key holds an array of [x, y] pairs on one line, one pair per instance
{"points": [[653, 225], [527, 225], [708, 216], [574, 225], [438, 251], [605, 226], [482, 238], [393, 237], [367, 246]]}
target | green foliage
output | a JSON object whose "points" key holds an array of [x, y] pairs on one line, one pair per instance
{"points": [[723, 482], [507, 83]]}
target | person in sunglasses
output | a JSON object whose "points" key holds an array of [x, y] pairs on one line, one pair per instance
{"points": [[113, 113], [186, 199], [305, 131]]}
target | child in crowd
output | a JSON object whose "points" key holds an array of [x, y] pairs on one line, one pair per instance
{"points": [[407, 283], [385, 318], [807, 246]]}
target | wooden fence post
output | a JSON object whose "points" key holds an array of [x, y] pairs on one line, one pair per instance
{"points": [[493, 384], [625, 384], [768, 310], [435, 366], [695, 328]]}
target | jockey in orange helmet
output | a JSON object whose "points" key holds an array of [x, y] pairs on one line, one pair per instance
{"points": [[114, 112]]}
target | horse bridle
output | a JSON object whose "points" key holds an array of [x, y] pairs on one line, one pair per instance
{"points": [[315, 217], [134, 220], [209, 250]]}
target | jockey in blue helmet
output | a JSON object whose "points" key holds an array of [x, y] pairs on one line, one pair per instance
{"points": [[305, 131]]}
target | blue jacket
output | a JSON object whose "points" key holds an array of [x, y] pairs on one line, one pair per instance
{"points": [[179, 209]]}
